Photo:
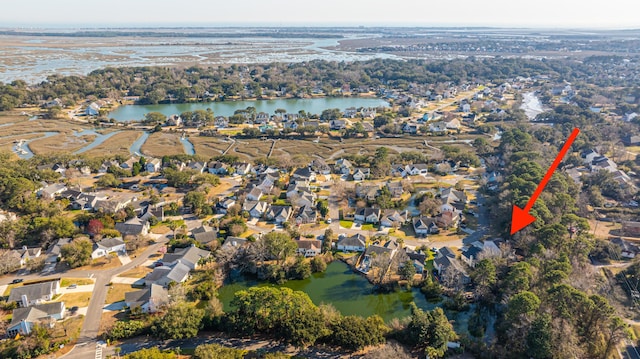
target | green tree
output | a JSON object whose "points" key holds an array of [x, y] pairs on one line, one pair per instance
{"points": [[181, 321], [197, 201], [78, 252], [279, 245], [216, 351], [429, 331], [301, 269], [108, 180], [153, 118], [407, 271], [151, 353], [355, 332], [540, 338], [318, 264]]}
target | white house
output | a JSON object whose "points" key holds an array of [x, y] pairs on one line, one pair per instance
{"points": [[355, 243], [106, 246], [23, 319], [33, 294], [149, 300], [309, 247], [153, 165]]}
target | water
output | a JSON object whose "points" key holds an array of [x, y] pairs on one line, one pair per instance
{"points": [[188, 146], [22, 148], [531, 105], [348, 292], [100, 138], [136, 147], [227, 108]]}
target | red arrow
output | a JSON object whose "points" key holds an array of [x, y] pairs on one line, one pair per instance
{"points": [[521, 218]]}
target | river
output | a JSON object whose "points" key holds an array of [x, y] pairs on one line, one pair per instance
{"points": [[227, 108], [531, 105], [348, 292]]}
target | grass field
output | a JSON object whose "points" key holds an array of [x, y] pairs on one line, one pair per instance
{"points": [[60, 143], [160, 143], [209, 146], [80, 299], [102, 263], [117, 144], [137, 272], [116, 292], [65, 282], [346, 224]]}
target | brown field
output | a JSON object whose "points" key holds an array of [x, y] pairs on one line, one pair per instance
{"points": [[116, 292], [80, 299], [209, 146], [60, 143], [160, 143], [117, 144], [137, 272]]}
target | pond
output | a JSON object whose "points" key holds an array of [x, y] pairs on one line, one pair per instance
{"points": [[227, 108], [348, 292]]}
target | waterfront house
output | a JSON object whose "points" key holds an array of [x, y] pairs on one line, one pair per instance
{"points": [[309, 247], [355, 243]]}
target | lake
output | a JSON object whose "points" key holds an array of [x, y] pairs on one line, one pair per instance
{"points": [[348, 292], [227, 108]]}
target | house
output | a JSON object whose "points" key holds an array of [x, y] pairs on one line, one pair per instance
{"points": [[279, 214], [204, 234], [197, 166], [26, 254], [303, 199], [23, 319], [367, 215], [309, 247], [53, 253], [318, 165], [400, 170], [368, 192], [589, 155], [128, 164], [53, 103], [106, 246], [631, 228], [453, 124], [235, 242], [189, 256], [255, 194], [470, 255], [343, 166], [390, 248], [631, 140], [395, 188], [355, 243], [450, 270], [350, 112], [448, 219], [92, 110], [217, 168], [304, 174], [452, 199], [306, 214], [52, 190], [261, 118], [164, 275], [149, 300], [603, 163], [361, 173], [241, 168], [392, 218], [174, 120], [419, 169], [224, 205], [256, 209], [368, 112], [220, 122], [628, 117], [438, 127], [424, 226], [411, 128], [153, 165], [133, 227], [337, 125], [33, 294], [627, 249]]}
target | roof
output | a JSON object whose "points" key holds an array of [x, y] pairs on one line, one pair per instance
{"points": [[303, 172], [309, 244], [357, 240], [139, 297], [110, 242], [36, 312], [134, 226], [178, 272], [32, 291], [472, 251], [192, 254], [422, 222], [447, 252], [234, 242], [367, 211]]}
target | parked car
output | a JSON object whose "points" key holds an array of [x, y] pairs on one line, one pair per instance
{"points": [[72, 286], [17, 280], [329, 220]]}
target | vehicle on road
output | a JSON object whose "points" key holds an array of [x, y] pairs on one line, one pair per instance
{"points": [[17, 280], [72, 286], [329, 221]]}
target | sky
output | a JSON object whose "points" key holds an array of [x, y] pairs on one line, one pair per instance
{"points": [[499, 13]]}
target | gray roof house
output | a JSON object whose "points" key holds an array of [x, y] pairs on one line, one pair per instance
{"points": [[204, 234], [108, 245], [150, 299], [189, 256], [133, 227], [356, 243], [23, 319], [164, 275], [32, 294]]}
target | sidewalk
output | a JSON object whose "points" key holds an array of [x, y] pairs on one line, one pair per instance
{"points": [[126, 280], [124, 258]]}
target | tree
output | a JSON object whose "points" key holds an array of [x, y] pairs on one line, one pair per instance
{"points": [[153, 118], [94, 227], [216, 351], [197, 201], [355, 332], [78, 252], [151, 353], [108, 180], [279, 245], [318, 264], [180, 322], [429, 331], [301, 269], [407, 271]]}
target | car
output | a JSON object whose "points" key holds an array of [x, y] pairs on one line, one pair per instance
{"points": [[17, 280], [73, 309], [158, 264], [329, 221], [72, 286]]}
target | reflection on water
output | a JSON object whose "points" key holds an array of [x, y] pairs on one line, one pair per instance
{"points": [[21, 148], [136, 147]]}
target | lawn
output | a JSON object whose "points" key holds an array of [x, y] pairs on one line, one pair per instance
{"points": [[137, 272], [103, 263], [65, 282], [80, 299], [72, 325], [160, 229], [116, 292], [368, 227], [346, 224]]}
